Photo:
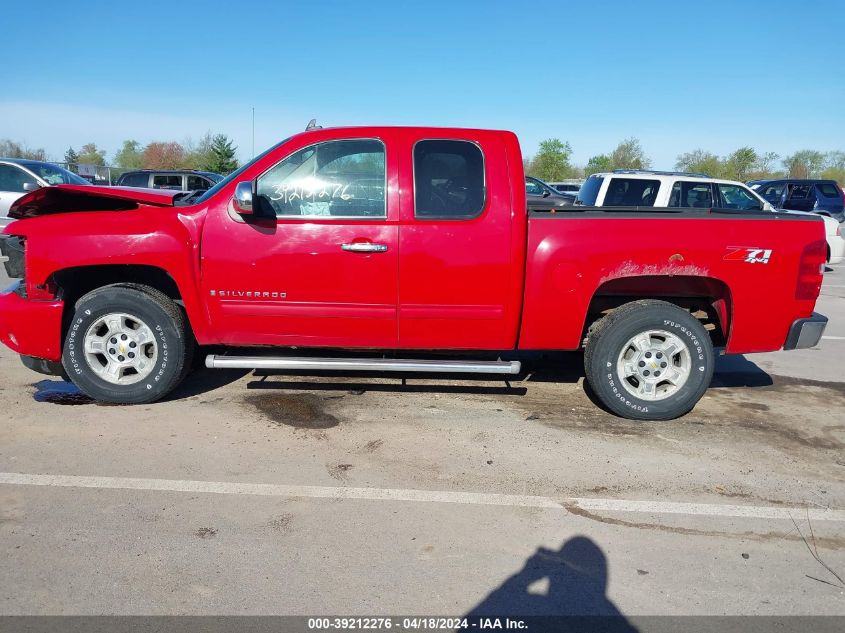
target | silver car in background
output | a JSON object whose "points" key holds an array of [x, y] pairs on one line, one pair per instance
{"points": [[19, 176]]}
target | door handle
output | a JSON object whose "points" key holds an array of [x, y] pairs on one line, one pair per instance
{"points": [[364, 247]]}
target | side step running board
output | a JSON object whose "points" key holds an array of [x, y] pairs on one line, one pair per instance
{"points": [[214, 361]]}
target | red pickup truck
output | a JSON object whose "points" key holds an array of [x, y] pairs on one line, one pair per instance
{"points": [[414, 244]]}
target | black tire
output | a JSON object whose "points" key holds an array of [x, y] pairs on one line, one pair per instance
{"points": [[608, 340], [174, 341]]}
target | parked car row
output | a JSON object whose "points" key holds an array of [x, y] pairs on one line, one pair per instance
{"points": [[681, 190], [20, 176], [819, 196]]}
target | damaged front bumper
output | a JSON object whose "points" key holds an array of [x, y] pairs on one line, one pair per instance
{"points": [[31, 328]]}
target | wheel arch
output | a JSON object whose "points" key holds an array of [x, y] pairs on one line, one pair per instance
{"points": [[708, 298], [74, 282]]}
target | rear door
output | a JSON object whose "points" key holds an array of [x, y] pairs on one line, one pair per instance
{"points": [[458, 263], [799, 197]]}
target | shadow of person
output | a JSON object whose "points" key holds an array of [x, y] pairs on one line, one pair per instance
{"points": [[562, 590]]}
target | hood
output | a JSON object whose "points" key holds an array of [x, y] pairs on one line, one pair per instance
{"points": [[70, 198]]}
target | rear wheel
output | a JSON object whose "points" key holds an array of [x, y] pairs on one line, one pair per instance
{"points": [[649, 360], [127, 344]]}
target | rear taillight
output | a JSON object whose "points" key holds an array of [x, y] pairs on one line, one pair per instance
{"points": [[810, 270]]}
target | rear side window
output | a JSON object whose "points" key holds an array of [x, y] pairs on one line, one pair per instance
{"points": [[448, 179], [167, 181], [589, 191], [799, 192], [691, 195], [828, 190], [135, 180], [631, 192]]}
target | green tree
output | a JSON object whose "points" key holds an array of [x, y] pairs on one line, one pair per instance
{"points": [[629, 155], [11, 149], [90, 155], [807, 163], [71, 158], [739, 164], [599, 163], [199, 155], [834, 167], [552, 161], [700, 161], [223, 159], [766, 162], [130, 155]]}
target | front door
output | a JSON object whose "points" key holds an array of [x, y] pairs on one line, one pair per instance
{"points": [[321, 268]]}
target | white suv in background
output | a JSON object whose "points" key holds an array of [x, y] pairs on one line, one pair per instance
{"points": [[672, 189]]}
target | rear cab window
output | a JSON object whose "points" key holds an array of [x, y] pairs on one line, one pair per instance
{"points": [[631, 192], [449, 181], [589, 191]]}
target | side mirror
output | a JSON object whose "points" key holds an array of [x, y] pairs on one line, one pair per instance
{"points": [[243, 198], [546, 193], [30, 186]]}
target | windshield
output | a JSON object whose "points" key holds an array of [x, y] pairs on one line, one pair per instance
{"points": [[235, 174], [53, 174]]}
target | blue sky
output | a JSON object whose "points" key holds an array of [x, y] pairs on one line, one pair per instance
{"points": [[677, 75]]}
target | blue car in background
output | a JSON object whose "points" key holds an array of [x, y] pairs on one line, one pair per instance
{"points": [[817, 196]]}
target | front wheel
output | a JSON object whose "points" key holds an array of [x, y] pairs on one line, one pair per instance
{"points": [[649, 360], [127, 344]]}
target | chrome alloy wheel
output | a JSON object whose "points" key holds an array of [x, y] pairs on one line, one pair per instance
{"points": [[120, 348], [654, 365]]}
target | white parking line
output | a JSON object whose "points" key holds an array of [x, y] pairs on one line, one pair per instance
{"points": [[423, 496]]}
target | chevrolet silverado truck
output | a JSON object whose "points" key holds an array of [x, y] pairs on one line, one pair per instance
{"points": [[399, 249]]}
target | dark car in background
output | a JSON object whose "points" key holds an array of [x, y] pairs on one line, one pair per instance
{"points": [[802, 194], [177, 180], [541, 196]]}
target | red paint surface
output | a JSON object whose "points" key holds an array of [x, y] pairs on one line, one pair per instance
{"points": [[442, 284]]}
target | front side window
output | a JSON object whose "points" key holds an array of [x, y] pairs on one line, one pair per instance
{"points": [[336, 178], [631, 192], [54, 175], [167, 181], [532, 188], [773, 192], [448, 179], [736, 197], [13, 179], [691, 195], [197, 182]]}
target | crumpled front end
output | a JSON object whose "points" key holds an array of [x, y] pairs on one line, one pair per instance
{"points": [[28, 327]]}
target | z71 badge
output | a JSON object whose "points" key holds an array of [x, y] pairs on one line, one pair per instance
{"points": [[748, 255]]}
